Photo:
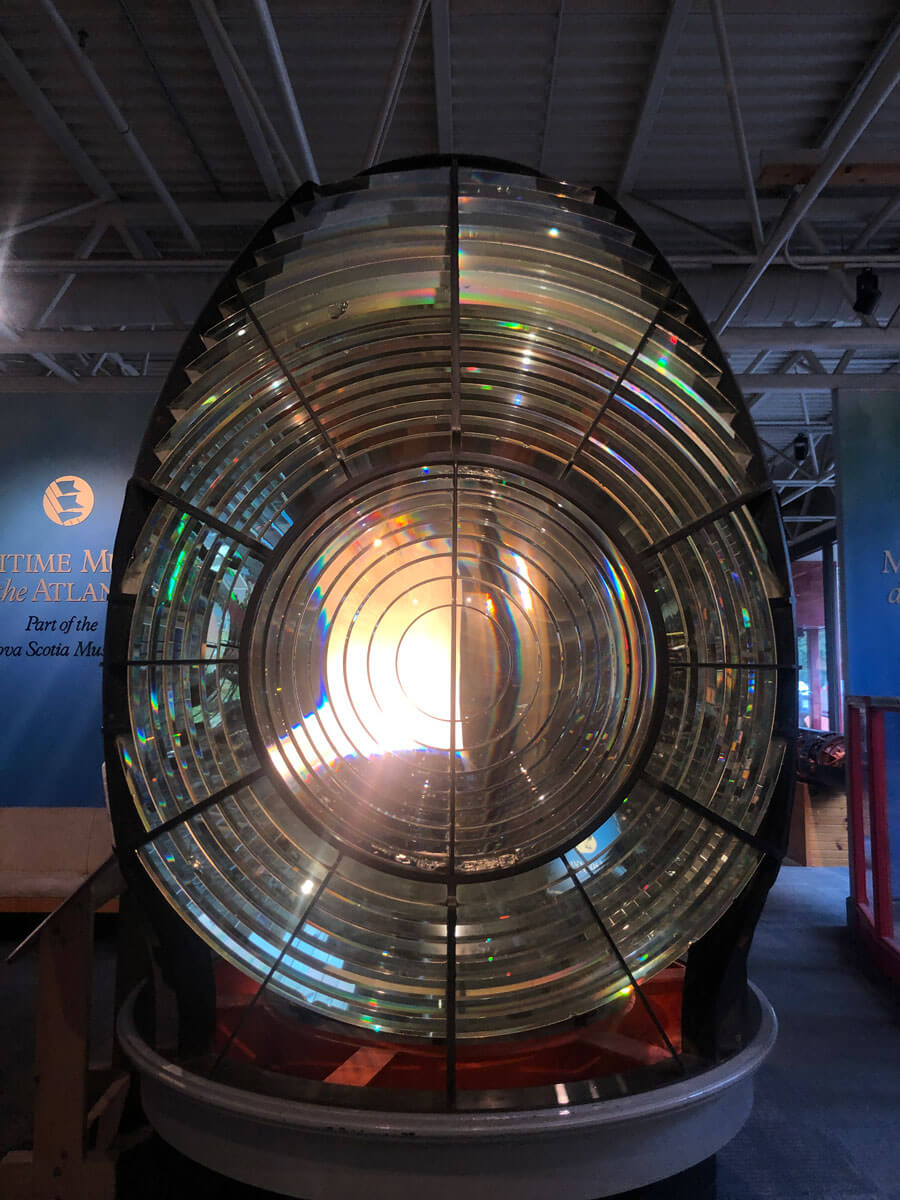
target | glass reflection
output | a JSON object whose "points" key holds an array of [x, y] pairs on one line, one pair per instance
{"points": [[436, 698], [423, 662]]}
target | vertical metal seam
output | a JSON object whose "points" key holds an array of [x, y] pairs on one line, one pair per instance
{"points": [[274, 967], [651, 1012], [289, 376], [455, 432], [623, 375]]}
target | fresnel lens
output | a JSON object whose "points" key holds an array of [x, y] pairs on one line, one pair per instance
{"points": [[448, 671]]}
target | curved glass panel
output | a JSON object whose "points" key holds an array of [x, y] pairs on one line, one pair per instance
{"points": [[450, 705]]}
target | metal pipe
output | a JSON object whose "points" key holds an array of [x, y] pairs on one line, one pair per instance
{"points": [[870, 101], [443, 77], [395, 82], [737, 121], [247, 119], [285, 86], [173, 103], [234, 59], [551, 84], [121, 126]]}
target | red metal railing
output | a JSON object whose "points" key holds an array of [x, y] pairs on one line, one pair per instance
{"points": [[871, 909]]}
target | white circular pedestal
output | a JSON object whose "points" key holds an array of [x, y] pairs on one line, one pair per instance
{"points": [[322, 1152]]}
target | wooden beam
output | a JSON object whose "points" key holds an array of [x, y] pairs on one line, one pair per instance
{"points": [[849, 175]]}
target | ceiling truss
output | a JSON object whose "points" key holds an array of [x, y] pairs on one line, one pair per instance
{"points": [[736, 234]]}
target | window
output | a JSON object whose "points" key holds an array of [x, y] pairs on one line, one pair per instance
{"points": [[820, 684]]}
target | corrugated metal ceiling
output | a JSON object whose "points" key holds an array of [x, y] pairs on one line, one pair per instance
{"points": [[558, 84]]}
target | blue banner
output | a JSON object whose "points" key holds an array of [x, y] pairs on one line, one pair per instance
{"points": [[869, 546], [64, 463]]}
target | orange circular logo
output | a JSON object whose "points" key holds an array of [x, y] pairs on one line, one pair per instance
{"points": [[68, 500]]}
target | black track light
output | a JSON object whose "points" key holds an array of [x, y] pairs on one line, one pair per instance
{"points": [[801, 447], [867, 292]]}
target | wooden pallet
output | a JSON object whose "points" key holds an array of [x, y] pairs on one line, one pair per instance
{"points": [[818, 828]]}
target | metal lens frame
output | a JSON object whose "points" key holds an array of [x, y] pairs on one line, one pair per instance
{"points": [[447, 638]]}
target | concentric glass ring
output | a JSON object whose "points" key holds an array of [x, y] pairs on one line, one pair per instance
{"points": [[447, 633], [452, 672]]}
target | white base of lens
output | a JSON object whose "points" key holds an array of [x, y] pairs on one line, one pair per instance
{"points": [[323, 1152]]}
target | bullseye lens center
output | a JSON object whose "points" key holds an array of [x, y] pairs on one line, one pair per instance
{"points": [[428, 656]]}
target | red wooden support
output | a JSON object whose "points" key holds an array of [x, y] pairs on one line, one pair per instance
{"points": [[61, 1167], [856, 801], [878, 825]]}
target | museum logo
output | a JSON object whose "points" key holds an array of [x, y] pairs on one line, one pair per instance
{"points": [[68, 500]]}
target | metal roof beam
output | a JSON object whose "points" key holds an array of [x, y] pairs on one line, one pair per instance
{"points": [[679, 11], [170, 97], [793, 337], [871, 98], [700, 260], [886, 381], [283, 80], [53, 218], [680, 219], [29, 384], [243, 108], [838, 275], [85, 250], [443, 74], [396, 79], [884, 47], [61, 375], [800, 423], [95, 341], [138, 341], [877, 223], [737, 121], [121, 126], [551, 84], [712, 209], [51, 122], [104, 385], [116, 266]]}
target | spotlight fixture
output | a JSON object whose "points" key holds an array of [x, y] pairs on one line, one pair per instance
{"points": [[801, 447], [867, 292]]}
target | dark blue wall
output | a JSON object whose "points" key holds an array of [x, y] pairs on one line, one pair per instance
{"points": [[869, 491], [50, 744]]}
